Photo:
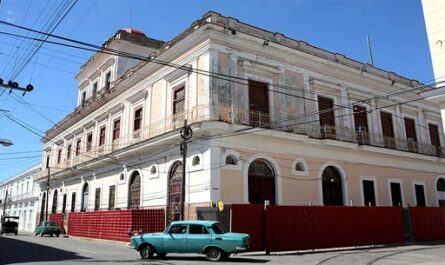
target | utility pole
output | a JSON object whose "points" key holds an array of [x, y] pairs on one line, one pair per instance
{"points": [[14, 85], [186, 133], [47, 194]]}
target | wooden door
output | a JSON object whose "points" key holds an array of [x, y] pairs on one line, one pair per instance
{"points": [[326, 117], [387, 129], [258, 103]]}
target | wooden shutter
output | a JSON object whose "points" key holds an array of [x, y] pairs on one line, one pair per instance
{"points": [[410, 129], [326, 105], [97, 200], [434, 137], [258, 96], [360, 119], [387, 127]]}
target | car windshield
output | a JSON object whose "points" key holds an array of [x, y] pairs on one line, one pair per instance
{"points": [[218, 228]]}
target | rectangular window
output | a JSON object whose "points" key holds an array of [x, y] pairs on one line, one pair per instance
{"points": [[137, 119], [84, 99], [410, 131], [111, 197], [420, 195], [361, 124], [68, 152], [368, 193], [102, 136], [78, 147], [48, 158], [396, 194], [434, 138], [107, 81], [258, 103], [89, 141], [59, 156], [387, 129], [197, 229], [116, 129], [178, 100], [326, 117], [97, 200], [94, 91], [64, 204], [73, 201]]}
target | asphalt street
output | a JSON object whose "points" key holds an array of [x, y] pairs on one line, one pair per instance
{"points": [[28, 249]]}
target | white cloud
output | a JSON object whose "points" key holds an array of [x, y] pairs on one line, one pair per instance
{"points": [[11, 16], [9, 12]]}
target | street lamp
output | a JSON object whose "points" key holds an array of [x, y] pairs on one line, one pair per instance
{"points": [[5, 142]]}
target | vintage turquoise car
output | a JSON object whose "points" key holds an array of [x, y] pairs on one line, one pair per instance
{"points": [[202, 237], [49, 228]]}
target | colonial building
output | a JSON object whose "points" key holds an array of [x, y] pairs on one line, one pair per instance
{"points": [[19, 196], [273, 119]]}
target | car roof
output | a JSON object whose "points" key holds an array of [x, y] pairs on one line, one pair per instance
{"points": [[195, 222]]}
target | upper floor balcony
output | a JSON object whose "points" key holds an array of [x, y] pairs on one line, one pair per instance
{"points": [[255, 119]]}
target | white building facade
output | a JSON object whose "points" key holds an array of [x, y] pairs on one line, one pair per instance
{"points": [[273, 119], [20, 196]]}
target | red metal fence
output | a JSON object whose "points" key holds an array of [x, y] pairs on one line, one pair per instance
{"points": [[306, 227], [428, 223], [249, 219], [57, 218], [114, 225], [284, 228]]}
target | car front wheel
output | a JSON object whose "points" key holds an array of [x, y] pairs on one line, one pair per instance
{"points": [[214, 254], [146, 252]]}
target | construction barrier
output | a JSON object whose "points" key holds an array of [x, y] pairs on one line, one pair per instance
{"points": [[114, 225], [285, 228], [428, 223], [56, 218]]}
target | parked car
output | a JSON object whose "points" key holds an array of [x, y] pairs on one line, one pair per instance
{"points": [[202, 237], [46, 227], [10, 225]]}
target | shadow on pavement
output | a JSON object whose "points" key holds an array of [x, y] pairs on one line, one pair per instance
{"points": [[18, 251], [191, 259]]}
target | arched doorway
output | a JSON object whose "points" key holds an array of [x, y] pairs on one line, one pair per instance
{"points": [[261, 182], [42, 208], [440, 187], [85, 195], [174, 192], [54, 205], [134, 191], [332, 187]]}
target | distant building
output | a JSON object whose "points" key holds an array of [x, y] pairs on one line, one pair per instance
{"points": [[19, 196], [274, 119], [434, 14]]}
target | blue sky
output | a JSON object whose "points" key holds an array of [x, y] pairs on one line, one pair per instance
{"points": [[396, 29]]}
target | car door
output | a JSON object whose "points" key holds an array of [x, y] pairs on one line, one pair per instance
{"points": [[197, 238], [174, 241]]}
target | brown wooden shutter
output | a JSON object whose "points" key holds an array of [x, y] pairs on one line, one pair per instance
{"points": [[326, 105], [434, 137], [387, 127], [360, 118], [410, 129], [258, 96]]}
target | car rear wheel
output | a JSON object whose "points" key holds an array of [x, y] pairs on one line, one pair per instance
{"points": [[146, 252], [57, 235], [214, 254]]}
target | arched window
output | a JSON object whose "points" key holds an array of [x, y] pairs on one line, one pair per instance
{"points": [[332, 187], [231, 160], [261, 182], [299, 166], [196, 160], [54, 207], [134, 192], [153, 170], [440, 187], [85, 194], [174, 192], [42, 208]]}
